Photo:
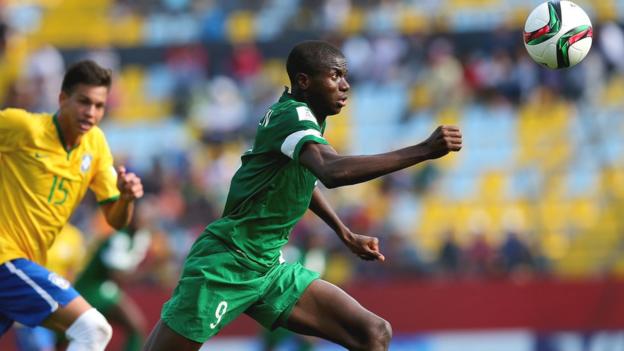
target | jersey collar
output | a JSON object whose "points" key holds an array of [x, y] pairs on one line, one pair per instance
{"points": [[59, 132], [286, 95]]}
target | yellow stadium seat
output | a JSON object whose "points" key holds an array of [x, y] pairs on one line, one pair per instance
{"points": [[606, 10], [614, 91], [240, 27], [493, 187], [412, 21], [127, 31], [459, 4], [593, 249], [133, 104], [612, 183], [355, 21]]}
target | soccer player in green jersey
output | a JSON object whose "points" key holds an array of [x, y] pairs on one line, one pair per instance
{"points": [[47, 164], [235, 266], [113, 263]]}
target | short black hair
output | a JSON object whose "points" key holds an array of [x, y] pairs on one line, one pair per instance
{"points": [[310, 57], [86, 72]]}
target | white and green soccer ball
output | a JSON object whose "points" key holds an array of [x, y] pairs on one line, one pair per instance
{"points": [[558, 34]]}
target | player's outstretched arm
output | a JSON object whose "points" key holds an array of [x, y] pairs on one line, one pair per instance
{"points": [[119, 213], [366, 247], [335, 170]]}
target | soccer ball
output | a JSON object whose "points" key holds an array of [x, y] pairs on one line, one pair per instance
{"points": [[558, 34]]}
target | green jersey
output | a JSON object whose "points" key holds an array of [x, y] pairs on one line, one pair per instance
{"points": [[271, 190]]}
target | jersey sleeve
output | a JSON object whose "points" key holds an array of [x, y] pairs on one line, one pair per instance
{"points": [[14, 128], [104, 182], [292, 130]]}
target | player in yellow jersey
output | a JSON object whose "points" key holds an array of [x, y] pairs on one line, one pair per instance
{"points": [[47, 163]]}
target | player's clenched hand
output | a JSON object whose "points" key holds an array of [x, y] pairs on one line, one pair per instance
{"points": [[444, 140], [129, 184], [365, 247]]}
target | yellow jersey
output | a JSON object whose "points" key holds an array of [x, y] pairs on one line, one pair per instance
{"points": [[42, 183]]}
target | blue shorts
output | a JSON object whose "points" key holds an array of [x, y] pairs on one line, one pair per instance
{"points": [[30, 293]]}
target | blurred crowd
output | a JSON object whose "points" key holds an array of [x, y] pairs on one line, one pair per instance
{"points": [[187, 98]]}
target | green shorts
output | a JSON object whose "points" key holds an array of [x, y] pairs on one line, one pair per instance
{"points": [[218, 284]]}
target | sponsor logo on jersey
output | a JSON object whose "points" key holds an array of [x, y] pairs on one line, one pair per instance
{"points": [[86, 162], [305, 114], [59, 281]]}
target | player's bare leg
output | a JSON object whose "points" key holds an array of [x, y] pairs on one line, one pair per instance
{"points": [[83, 325], [327, 311], [163, 338], [64, 316]]}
